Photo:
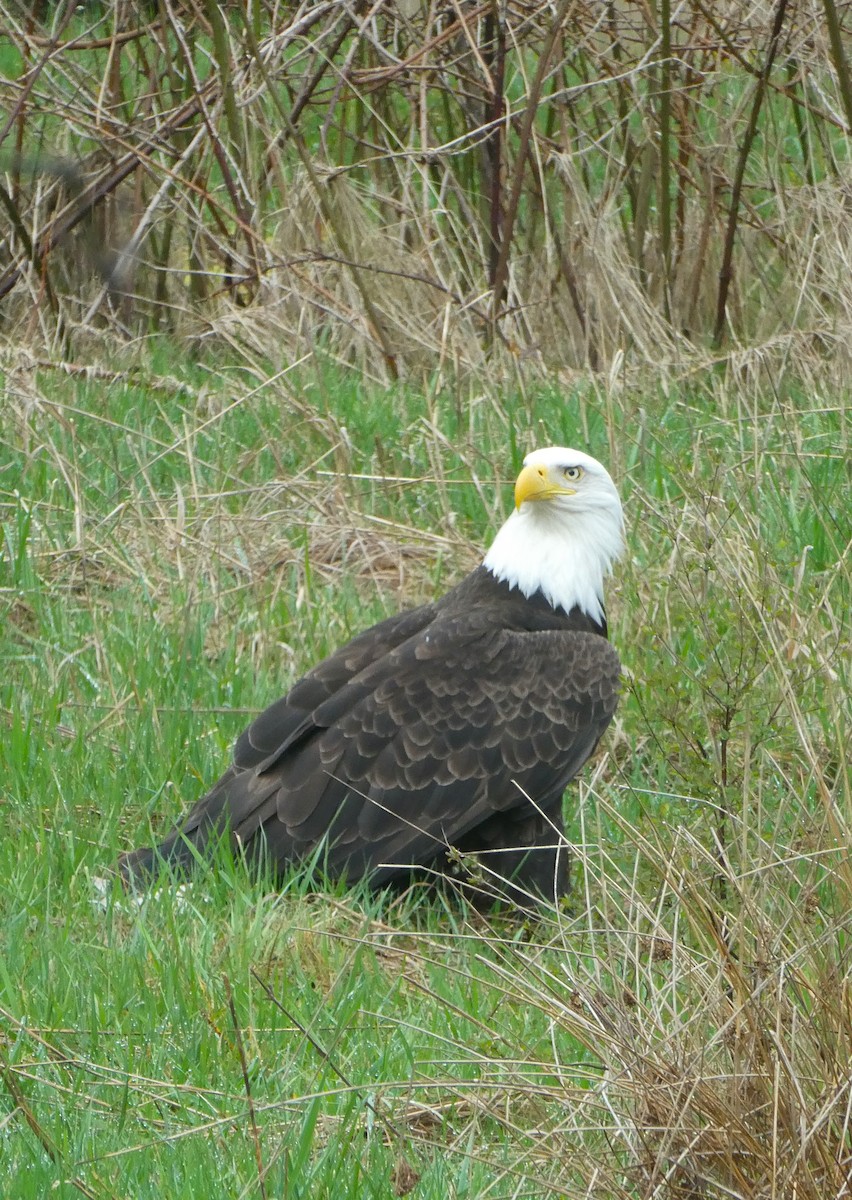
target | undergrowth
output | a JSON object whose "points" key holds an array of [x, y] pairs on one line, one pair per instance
{"points": [[431, 188]]}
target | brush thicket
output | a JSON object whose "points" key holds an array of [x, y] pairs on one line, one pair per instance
{"points": [[412, 186]]}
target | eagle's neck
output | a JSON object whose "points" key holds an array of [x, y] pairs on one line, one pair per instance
{"points": [[564, 556]]}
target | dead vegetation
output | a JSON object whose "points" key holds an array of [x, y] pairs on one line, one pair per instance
{"points": [[419, 186]]}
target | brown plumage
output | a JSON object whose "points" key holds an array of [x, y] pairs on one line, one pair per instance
{"points": [[457, 724]]}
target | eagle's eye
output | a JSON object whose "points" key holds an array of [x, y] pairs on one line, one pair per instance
{"points": [[572, 473]]}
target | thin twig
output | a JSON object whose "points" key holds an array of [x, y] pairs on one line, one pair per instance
{"points": [[255, 1132], [327, 1059], [7, 1075], [726, 269], [841, 66], [501, 267]]}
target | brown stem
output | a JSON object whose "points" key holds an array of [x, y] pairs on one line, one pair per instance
{"points": [[725, 271], [841, 66], [7, 1078], [327, 210], [494, 57], [664, 199], [498, 278], [241, 1050]]}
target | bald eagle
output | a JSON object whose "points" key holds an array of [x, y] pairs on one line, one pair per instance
{"points": [[453, 726]]}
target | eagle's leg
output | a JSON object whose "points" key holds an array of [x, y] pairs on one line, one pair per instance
{"points": [[523, 854]]}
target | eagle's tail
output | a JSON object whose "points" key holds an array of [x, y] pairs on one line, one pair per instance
{"points": [[186, 846], [179, 853]]}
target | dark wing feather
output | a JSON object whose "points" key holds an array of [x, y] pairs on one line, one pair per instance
{"points": [[391, 751], [271, 732], [275, 730]]}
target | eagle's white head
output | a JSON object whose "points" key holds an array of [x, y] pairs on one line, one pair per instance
{"points": [[565, 533]]}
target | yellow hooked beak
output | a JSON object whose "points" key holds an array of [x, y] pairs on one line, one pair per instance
{"points": [[535, 483]]}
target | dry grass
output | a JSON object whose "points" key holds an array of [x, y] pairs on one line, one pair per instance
{"points": [[416, 187], [716, 1011]]}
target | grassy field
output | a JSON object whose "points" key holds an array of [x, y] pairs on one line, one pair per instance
{"points": [[179, 541]]}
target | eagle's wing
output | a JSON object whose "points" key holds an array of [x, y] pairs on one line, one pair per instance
{"points": [[266, 735], [418, 748], [269, 731]]}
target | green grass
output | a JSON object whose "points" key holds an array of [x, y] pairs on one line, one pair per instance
{"points": [[178, 545]]}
